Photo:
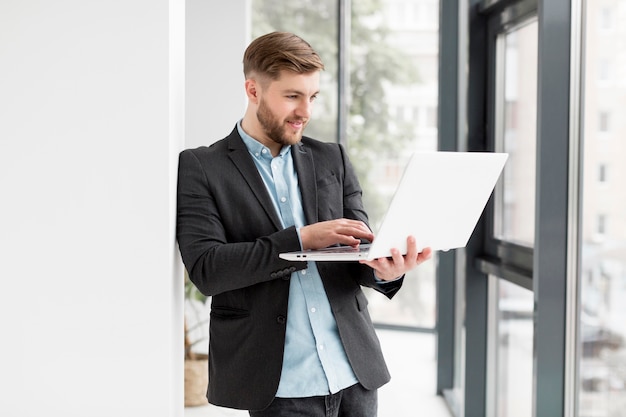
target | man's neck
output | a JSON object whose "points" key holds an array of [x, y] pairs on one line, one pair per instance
{"points": [[252, 128]]}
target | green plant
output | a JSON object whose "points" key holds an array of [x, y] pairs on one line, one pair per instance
{"points": [[195, 300]]}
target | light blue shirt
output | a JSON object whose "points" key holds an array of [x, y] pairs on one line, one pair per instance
{"points": [[314, 362]]}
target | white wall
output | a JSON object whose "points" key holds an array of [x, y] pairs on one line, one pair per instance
{"points": [[91, 121], [215, 84]]}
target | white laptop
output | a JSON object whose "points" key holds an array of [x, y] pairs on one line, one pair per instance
{"points": [[439, 200]]}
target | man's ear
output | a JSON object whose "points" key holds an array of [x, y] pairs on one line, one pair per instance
{"points": [[252, 90]]}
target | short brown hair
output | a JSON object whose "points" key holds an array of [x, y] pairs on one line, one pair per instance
{"points": [[274, 52]]}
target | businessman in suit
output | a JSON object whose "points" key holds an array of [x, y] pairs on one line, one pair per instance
{"points": [[286, 338]]}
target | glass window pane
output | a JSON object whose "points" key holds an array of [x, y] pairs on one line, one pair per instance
{"points": [[394, 100], [393, 106], [516, 133], [316, 22], [602, 327], [513, 350]]}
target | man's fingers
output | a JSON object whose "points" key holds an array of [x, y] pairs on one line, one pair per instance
{"points": [[348, 240], [424, 255], [331, 232], [353, 229], [411, 252], [398, 264]]}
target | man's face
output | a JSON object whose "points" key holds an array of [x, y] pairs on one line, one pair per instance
{"points": [[285, 106]]}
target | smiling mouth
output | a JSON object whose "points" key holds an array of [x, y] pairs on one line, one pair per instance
{"points": [[296, 124]]}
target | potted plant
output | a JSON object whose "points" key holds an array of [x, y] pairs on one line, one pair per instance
{"points": [[196, 332]]}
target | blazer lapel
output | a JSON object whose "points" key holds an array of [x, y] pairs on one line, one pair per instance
{"points": [[245, 165], [305, 167]]}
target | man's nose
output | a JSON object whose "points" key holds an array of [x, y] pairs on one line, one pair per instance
{"points": [[304, 109]]}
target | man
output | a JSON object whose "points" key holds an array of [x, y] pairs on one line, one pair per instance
{"points": [[286, 338]]}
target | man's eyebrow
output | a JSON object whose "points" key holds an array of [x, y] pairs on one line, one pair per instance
{"points": [[298, 92]]}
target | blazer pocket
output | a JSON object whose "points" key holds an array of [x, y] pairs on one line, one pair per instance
{"points": [[229, 313], [327, 180]]}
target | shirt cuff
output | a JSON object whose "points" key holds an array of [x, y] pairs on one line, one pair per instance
{"points": [[299, 238], [382, 281]]}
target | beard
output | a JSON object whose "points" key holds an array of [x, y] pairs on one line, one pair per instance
{"points": [[276, 129]]}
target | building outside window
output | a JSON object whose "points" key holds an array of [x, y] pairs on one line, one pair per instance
{"points": [[510, 350], [602, 328], [602, 173], [604, 122], [516, 115]]}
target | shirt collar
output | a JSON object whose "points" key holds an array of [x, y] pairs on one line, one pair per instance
{"points": [[256, 148]]}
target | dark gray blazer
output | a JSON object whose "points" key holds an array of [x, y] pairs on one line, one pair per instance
{"points": [[230, 236]]}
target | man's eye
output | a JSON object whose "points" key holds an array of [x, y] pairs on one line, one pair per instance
{"points": [[313, 98]]}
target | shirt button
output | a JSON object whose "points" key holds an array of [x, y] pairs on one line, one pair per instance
{"points": [[313, 309], [321, 347], [264, 151], [283, 199], [303, 272]]}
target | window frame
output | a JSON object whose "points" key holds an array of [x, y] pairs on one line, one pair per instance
{"points": [[508, 260], [545, 268]]}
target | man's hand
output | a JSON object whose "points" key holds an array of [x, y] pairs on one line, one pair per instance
{"points": [[388, 269], [341, 231]]}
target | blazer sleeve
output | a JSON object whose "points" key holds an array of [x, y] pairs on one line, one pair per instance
{"points": [[353, 209], [220, 251]]}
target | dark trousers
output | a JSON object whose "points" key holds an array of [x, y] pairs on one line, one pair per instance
{"points": [[354, 401]]}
